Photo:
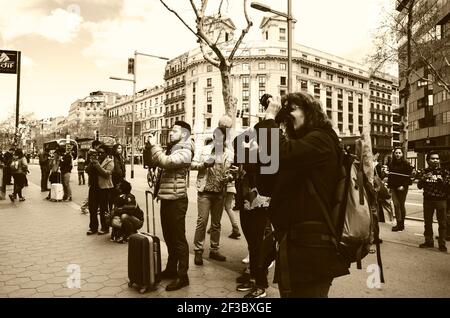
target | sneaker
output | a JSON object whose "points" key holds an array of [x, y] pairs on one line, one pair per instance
{"points": [[234, 235], [244, 278], [21, 199], [90, 232], [246, 260], [397, 229], [12, 197], [426, 244], [256, 293], [217, 256], [443, 248], [247, 286]]}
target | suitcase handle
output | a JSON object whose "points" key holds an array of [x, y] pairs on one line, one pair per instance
{"points": [[147, 192]]}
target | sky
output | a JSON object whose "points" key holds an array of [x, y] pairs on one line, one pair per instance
{"points": [[71, 47]]}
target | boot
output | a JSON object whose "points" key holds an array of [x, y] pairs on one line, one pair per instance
{"points": [[198, 259]]}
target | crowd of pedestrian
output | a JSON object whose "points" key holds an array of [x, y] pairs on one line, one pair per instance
{"points": [[274, 209]]}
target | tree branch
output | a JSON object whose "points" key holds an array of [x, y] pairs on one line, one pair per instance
{"points": [[243, 33], [179, 17], [206, 55]]}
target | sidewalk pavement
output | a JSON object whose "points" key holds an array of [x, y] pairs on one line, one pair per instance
{"points": [[40, 239]]}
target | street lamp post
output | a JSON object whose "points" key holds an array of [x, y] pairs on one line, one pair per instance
{"points": [[136, 53], [290, 20]]}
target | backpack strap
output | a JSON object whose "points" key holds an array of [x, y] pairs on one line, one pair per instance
{"points": [[326, 215]]}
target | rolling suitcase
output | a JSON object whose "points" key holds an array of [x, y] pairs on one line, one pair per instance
{"points": [[56, 189], [144, 256]]}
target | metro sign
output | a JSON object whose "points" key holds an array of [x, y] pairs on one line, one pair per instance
{"points": [[8, 62]]}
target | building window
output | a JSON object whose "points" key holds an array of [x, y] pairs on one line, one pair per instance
{"points": [[245, 95], [262, 52], [317, 90], [283, 80], [267, 35], [340, 79], [329, 77], [208, 82], [351, 82], [360, 85], [340, 105], [245, 82], [340, 91], [317, 59], [282, 92], [340, 117], [283, 52], [262, 81], [283, 66], [282, 34], [209, 108], [262, 66], [261, 93], [329, 63], [305, 70], [245, 122], [193, 112], [245, 67], [317, 73], [208, 122], [340, 127], [209, 97], [304, 85], [209, 68]]}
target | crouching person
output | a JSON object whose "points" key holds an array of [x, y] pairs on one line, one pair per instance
{"points": [[128, 217]]}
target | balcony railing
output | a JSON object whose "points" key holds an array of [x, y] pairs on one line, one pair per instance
{"points": [[174, 99], [175, 112], [175, 86]]}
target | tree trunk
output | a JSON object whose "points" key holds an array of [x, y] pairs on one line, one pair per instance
{"points": [[228, 99]]}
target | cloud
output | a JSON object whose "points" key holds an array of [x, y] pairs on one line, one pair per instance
{"points": [[61, 25]]}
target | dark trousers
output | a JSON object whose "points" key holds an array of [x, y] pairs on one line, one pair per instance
{"points": [[253, 225], [399, 199], [173, 223], [448, 217], [441, 214], [317, 289], [19, 184], [44, 178], [81, 177], [98, 198]]}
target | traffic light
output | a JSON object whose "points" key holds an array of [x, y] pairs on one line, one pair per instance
{"points": [[96, 135], [239, 113], [131, 66]]}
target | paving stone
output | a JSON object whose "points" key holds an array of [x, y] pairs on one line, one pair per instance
{"points": [[41, 277], [17, 281], [32, 284], [27, 274], [214, 283], [42, 295], [13, 271], [216, 292], [56, 280], [66, 292], [97, 279], [8, 289], [91, 286], [22, 293], [109, 291], [49, 288], [85, 294], [114, 282]]}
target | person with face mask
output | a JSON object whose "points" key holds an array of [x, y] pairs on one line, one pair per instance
{"points": [[171, 190], [399, 179], [435, 183], [309, 153]]}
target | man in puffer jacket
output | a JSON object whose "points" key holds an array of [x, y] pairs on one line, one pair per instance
{"points": [[171, 189]]}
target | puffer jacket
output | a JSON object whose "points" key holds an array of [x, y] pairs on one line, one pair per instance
{"points": [[198, 163], [104, 172], [175, 166]]}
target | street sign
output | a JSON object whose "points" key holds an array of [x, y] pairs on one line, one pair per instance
{"points": [[8, 62]]}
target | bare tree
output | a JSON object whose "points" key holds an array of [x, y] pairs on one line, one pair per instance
{"points": [[223, 63], [412, 39]]}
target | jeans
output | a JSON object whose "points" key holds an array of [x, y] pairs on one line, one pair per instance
{"points": [[173, 223], [19, 184], [81, 177], [441, 214], [208, 203], [253, 226], [130, 224], [66, 185], [44, 178], [399, 199], [98, 198], [317, 289], [227, 203]]}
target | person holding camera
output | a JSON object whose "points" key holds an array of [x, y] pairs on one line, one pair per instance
{"points": [[309, 152], [171, 190], [100, 170], [213, 164]]}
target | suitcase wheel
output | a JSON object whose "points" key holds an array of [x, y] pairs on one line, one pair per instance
{"points": [[142, 290]]}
